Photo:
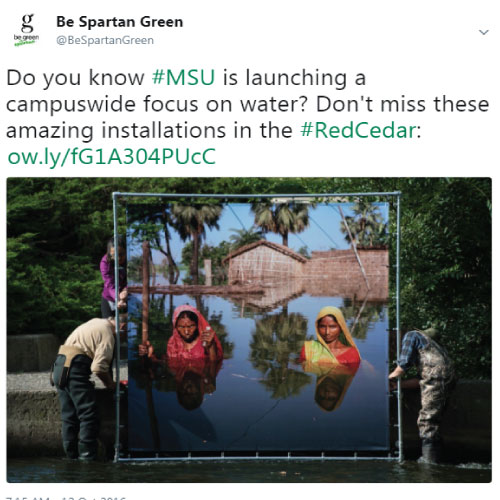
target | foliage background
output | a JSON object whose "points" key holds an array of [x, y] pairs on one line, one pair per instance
{"points": [[57, 231]]}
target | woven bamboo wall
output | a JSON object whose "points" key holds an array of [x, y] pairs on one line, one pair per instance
{"points": [[264, 264], [332, 273]]}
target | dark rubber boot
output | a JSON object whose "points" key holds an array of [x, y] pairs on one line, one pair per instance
{"points": [[71, 449], [87, 451], [101, 451]]}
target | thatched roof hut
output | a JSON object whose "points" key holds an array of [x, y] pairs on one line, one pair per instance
{"points": [[264, 262]]}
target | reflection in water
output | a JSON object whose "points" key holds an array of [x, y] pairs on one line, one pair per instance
{"points": [[193, 380], [275, 295], [332, 383], [364, 315], [160, 316], [275, 343], [189, 379], [333, 357], [216, 323], [194, 355]]}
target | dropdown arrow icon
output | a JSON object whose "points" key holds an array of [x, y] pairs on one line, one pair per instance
{"points": [[483, 32]]}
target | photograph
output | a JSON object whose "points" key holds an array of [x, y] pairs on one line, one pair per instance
{"points": [[247, 316]]}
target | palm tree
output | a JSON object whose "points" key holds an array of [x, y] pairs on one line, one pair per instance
{"points": [[166, 220], [275, 345], [190, 221], [281, 218], [366, 225], [244, 237]]}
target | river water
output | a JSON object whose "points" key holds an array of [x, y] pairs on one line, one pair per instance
{"points": [[50, 470]]}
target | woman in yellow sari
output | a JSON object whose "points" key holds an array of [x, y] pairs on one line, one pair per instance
{"points": [[335, 345], [334, 358]]}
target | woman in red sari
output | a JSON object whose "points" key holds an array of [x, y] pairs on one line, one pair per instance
{"points": [[193, 337]]}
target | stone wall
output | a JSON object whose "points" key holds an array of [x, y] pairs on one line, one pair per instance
{"points": [[31, 353], [34, 423]]}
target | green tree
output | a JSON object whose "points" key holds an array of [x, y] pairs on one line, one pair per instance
{"points": [[446, 266], [304, 251], [281, 218], [243, 237], [190, 221], [215, 253], [152, 222], [366, 226], [57, 231]]}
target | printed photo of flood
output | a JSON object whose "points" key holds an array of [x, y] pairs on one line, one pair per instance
{"points": [[257, 327]]}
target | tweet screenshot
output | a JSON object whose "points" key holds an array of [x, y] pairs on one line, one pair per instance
{"points": [[246, 242]]}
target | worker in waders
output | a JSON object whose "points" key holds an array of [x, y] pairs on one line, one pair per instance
{"points": [[437, 379], [89, 349]]}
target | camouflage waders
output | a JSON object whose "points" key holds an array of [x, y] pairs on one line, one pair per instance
{"points": [[437, 380]]}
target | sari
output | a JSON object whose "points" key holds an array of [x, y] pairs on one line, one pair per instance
{"points": [[317, 351], [177, 348]]}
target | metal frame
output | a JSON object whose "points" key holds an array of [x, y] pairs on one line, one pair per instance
{"points": [[223, 458], [117, 195]]}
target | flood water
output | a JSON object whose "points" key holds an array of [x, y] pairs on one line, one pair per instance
{"points": [[260, 399], [47, 470]]}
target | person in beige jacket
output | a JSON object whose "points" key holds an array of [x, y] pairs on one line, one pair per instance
{"points": [[89, 349]]}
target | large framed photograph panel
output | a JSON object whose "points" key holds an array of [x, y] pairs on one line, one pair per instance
{"points": [[272, 281]]}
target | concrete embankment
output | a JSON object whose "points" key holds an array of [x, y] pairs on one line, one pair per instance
{"points": [[33, 420], [33, 416]]}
